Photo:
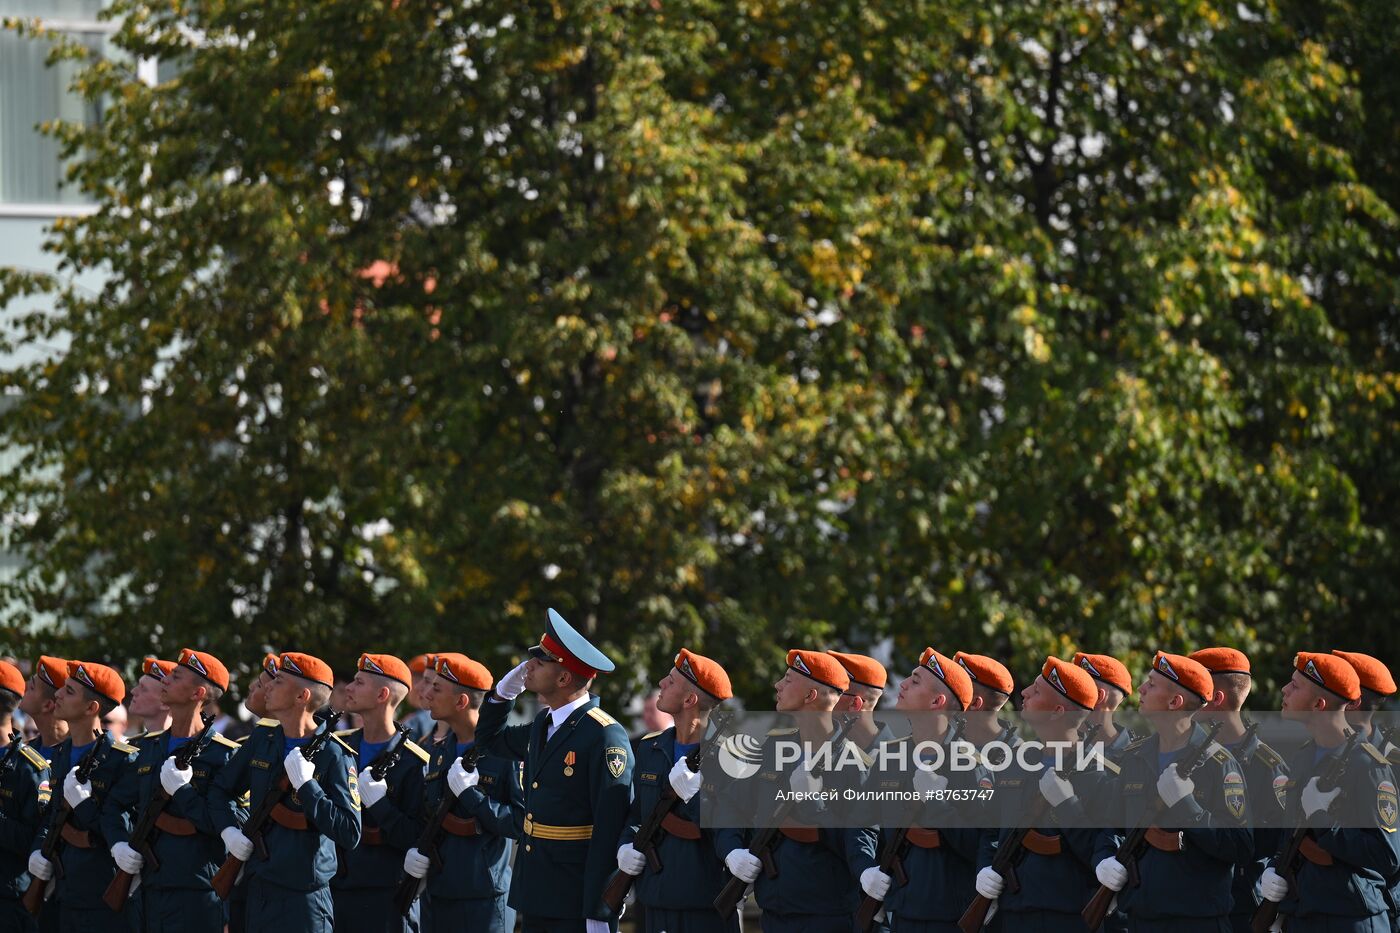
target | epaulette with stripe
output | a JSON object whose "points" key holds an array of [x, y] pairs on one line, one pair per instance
{"points": [[652, 735], [1374, 752], [345, 732], [1110, 767], [269, 723], [897, 741], [124, 748], [34, 758], [602, 717], [343, 744], [414, 748], [783, 731], [1268, 756], [225, 740], [1135, 744]]}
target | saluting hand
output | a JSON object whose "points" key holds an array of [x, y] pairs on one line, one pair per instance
{"points": [[513, 684]]}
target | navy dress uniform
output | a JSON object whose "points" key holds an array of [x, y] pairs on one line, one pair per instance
{"points": [[87, 863], [1187, 869], [174, 895], [289, 890], [679, 894], [24, 793], [577, 783], [471, 890], [1343, 877], [237, 906]]}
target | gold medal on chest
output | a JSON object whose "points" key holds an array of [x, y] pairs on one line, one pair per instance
{"points": [[569, 760]]}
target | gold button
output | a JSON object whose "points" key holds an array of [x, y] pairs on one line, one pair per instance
{"points": [[529, 816], [535, 784], [527, 847]]}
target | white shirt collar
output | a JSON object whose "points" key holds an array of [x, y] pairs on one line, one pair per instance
{"points": [[557, 716]]}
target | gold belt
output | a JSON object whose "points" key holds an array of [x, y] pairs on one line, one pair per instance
{"points": [[545, 831]]}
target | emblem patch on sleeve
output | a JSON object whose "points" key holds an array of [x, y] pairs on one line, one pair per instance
{"points": [[1281, 790], [354, 784], [1234, 794], [616, 758], [1386, 805]]}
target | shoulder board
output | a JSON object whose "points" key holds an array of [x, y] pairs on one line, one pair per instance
{"points": [[341, 742], [601, 717], [345, 732], [270, 723], [133, 739], [413, 748], [123, 748], [1219, 752], [865, 756], [784, 731], [240, 740], [34, 758], [1374, 752], [1135, 744], [652, 735], [1110, 767], [230, 743], [901, 739], [1268, 756]]}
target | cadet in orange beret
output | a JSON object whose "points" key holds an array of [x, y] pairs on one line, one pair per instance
{"points": [[680, 875], [1377, 686], [145, 712], [861, 697], [24, 776], [1183, 887], [174, 865], [1265, 773], [90, 691], [1115, 685], [41, 699], [392, 800], [320, 817], [992, 686], [1341, 880], [420, 721]]}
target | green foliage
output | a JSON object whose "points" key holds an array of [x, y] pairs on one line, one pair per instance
{"points": [[1013, 327]]}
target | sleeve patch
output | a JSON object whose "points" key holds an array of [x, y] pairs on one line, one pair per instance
{"points": [[616, 757]]}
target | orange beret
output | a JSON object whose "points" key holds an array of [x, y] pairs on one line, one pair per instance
{"points": [[867, 672], [1331, 673], [306, 667], [1222, 660], [988, 672], [1189, 675], [205, 665], [951, 673], [1374, 675], [706, 674], [463, 671], [1072, 682], [270, 663], [386, 665], [418, 663], [154, 667], [52, 671], [11, 679], [822, 668], [1106, 669], [98, 678]]}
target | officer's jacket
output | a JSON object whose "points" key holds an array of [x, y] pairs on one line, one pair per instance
{"points": [[1062, 881], [299, 859], [390, 827], [574, 812], [942, 869], [1196, 880], [813, 877], [476, 865], [185, 861], [86, 871], [1363, 858], [1266, 782], [24, 793], [691, 872]]}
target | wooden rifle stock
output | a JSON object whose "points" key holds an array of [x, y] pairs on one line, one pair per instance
{"points": [[410, 887], [60, 812]]}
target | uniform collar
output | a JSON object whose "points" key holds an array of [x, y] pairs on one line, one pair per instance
{"points": [[557, 717]]}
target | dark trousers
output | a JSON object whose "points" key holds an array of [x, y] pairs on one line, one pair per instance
{"points": [[286, 911], [1180, 925], [902, 924], [1379, 923], [102, 920], [371, 910], [180, 910], [534, 924], [808, 923], [15, 919], [661, 920], [477, 914]]}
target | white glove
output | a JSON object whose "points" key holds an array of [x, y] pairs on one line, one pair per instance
{"points": [[629, 860], [803, 781], [990, 883], [1172, 787], [513, 684], [372, 791], [127, 858], [596, 926], [1111, 874], [1055, 789], [1272, 886], [40, 867], [684, 782], [172, 778], [73, 792], [237, 844], [743, 864], [926, 781], [298, 769], [416, 863], [1314, 800], [459, 778], [875, 883]]}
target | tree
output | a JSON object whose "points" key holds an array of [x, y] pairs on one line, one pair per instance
{"points": [[1011, 328]]}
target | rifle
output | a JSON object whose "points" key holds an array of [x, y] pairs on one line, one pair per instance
{"points": [[1009, 855], [1286, 858], [59, 814], [429, 839], [1131, 847], [649, 833], [7, 764], [389, 756], [142, 836], [228, 874], [892, 855]]}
